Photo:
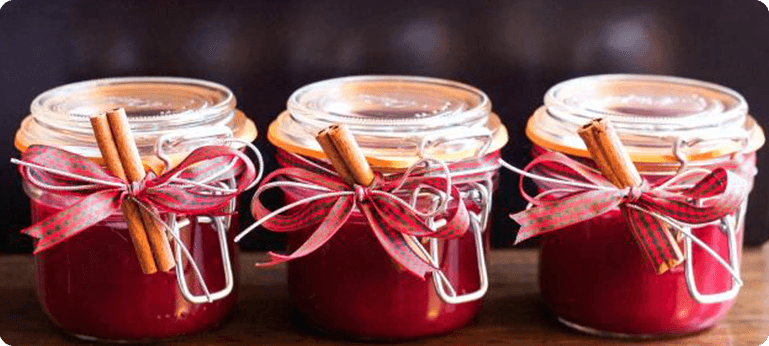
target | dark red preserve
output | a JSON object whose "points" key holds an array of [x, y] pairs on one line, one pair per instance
{"points": [[91, 285], [593, 275], [350, 286]]}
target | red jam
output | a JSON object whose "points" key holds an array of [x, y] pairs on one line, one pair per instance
{"points": [[594, 275], [352, 288], [91, 285]]}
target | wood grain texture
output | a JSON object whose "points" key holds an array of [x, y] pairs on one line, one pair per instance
{"points": [[512, 313]]}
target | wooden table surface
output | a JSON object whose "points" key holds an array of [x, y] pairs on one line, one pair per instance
{"points": [[512, 312]]}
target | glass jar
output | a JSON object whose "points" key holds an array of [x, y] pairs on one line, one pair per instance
{"points": [[91, 286], [350, 286], [593, 275]]}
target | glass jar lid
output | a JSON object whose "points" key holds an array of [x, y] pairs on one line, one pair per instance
{"points": [[395, 119], [168, 107], [656, 117]]}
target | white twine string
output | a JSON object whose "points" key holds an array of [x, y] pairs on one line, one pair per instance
{"points": [[94, 181], [288, 206], [489, 168], [328, 193], [185, 251], [669, 185], [404, 177], [311, 163], [553, 180], [120, 186], [684, 229], [202, 183], [186, 183]]}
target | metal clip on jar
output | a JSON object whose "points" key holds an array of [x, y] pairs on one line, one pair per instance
{"points": [[593, 276], [91, 286], [350, 286]]}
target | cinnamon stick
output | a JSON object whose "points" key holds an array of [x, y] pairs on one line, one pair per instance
{"points": [[596, 153], [334, 157], [130, 209], [345, 155], [134, 171], [615, 163], [348, 149], [608, 153]]}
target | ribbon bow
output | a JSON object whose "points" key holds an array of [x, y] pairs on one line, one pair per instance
{"points": [[390, 217], [190, 188], [574, 193]]}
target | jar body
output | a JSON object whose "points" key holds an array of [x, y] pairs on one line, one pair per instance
{"points": [[594, 277], [352, 288], [91, 286]]}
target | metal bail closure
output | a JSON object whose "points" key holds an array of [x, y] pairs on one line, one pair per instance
{"points": [[478, 133], [680, 143], [446, 291], [729, 225], [478, 222], [480, 193], [221, 224]]}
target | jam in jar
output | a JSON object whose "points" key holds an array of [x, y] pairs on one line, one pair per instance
{"points": [[350, 286], [593, 275], [91, 285]]}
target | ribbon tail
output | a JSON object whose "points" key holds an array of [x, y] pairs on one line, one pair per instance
{"points": [[655, 238], [337, 216], [529, 228], [70, 221], [549, 217], [396, 245], [720, 192]]}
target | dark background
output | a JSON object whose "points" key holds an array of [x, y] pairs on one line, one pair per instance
{"points": [[263, 50]]}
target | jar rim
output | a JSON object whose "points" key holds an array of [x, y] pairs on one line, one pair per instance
{"points": [[156, 106], [699, 103], [391, 117], [653, 116], [59, 106], [324, 101]]}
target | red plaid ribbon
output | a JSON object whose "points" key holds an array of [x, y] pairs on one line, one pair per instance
{"points": [[690, 198], [390, 217], [188, 189]]}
